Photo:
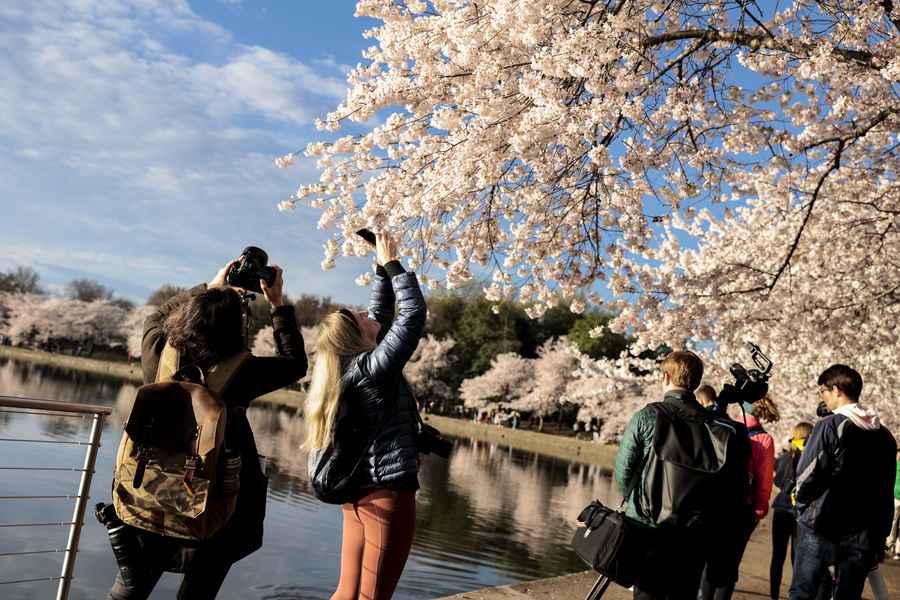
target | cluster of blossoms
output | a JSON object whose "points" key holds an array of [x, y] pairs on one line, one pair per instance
{"points": [[725, 170], [31, 319]]}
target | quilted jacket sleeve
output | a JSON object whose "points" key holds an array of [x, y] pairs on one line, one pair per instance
{"points": [[383, 298], [399, 342]]}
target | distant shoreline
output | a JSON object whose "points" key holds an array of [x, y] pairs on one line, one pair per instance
{"points": [[557, 446]]}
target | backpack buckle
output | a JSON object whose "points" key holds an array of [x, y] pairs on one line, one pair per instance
{"points": [[191, 464], [143, 457]]}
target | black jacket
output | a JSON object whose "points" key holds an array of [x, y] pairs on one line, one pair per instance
{"points": [[258, 375], [785, 479], [376, 396], [845, 480]]}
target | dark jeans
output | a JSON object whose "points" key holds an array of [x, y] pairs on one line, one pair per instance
{"points": [[784, 534], [675, 567], [853, 556], [724, 561], [204, 571]]}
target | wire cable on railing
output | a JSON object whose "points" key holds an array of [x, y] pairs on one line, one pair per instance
{"points": [[76, 469], [43, 441], [31, 580], [36, 524], [54, 551], [39, 497]]}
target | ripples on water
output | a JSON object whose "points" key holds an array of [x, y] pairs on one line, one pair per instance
{"points": [[488, 516]]}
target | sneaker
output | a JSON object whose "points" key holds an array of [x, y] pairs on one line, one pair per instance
{"points": [[896, 556]]}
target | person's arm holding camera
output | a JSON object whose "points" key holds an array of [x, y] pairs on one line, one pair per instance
{"points": [[264, 374]]}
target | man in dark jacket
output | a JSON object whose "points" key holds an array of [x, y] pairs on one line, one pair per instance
{"points": [[844, 491], [678, 540]]}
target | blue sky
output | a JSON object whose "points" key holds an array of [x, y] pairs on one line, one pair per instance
{"points": [[137, 137]]}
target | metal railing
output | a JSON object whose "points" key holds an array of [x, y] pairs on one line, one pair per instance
{"points": [[62, 409]]}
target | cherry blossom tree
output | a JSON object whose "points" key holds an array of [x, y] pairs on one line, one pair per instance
{"points": [[133, 328], [552, 370], [39, 320], [724, 169], [424, 371], [509, 378]]}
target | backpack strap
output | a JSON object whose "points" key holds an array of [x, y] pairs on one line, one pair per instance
{"points": [[221, 374], [217, 377], [169, 363]]}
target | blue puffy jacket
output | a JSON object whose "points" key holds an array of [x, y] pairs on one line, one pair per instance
{"points": [[846, 476], [377, 397]]}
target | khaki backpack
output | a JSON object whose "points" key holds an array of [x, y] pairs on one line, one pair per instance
{"points": [[173, 474]]}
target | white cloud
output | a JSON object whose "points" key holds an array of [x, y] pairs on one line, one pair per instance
{"points": [[137, 135]]}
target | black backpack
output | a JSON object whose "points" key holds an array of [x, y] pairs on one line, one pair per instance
{"points": [[685, 472]]}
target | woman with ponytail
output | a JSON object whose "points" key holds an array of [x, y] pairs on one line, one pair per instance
{"points": [[357, 382]]}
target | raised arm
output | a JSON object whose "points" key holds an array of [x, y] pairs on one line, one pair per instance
{"points": [[397, 345], [383, 298]]}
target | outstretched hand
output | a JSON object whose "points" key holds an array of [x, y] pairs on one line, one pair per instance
{"points": [[220, 279], [385, 248], [274, 293]]}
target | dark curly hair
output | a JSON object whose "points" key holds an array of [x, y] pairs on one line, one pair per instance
{"points": [[207, 327]]}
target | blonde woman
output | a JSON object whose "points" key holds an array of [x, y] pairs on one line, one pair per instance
{"points": [[357, 382]]}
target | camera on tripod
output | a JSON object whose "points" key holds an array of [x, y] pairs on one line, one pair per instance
{"points": [[749, 385]]}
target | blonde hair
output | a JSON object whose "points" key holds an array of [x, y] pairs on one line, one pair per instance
{"points": [[765, 410], [801, 430], [684, 368], [338, 337]]}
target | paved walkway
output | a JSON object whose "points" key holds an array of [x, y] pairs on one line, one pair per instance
{"points": [[754, 582]]}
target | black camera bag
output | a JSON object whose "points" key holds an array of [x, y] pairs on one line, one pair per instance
{"points": [[610, 543]]}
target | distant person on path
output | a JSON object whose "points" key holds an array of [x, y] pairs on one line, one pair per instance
{"points": [[706, 490], [784, 517], [844, 491], [893, 541], [706, 396], [358, 376], [205, 326], [723, 571]]}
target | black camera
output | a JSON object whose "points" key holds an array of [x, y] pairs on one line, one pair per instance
{"points": [[125, 545], [749, 385], [822, 410], [251, 267], [430, 441]]}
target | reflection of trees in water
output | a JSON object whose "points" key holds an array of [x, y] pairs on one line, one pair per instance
{"points": [[520, 505], [53, 383], [279, 433]]}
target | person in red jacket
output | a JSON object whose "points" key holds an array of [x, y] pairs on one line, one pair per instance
{"points": [[762, 472]]}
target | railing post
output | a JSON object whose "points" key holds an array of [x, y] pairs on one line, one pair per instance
{"points": [[84, 488]]}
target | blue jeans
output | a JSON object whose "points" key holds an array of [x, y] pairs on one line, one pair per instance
{"points": [[853, 556]]}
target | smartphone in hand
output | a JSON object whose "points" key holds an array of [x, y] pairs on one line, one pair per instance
{"points": [[366, 235]]}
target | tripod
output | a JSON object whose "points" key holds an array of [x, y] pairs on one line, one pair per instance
{"points": [[599, 588], [246, 299]]}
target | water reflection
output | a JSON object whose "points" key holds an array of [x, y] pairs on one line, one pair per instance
{"points": [[489, 516]]}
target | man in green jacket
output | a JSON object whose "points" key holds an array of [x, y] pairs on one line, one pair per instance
{"points": [[677, 552]]}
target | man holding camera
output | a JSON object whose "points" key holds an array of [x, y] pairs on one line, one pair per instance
{"points": [[844, 491], [683, 471]]}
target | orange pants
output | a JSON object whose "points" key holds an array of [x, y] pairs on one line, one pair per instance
{"points": [[378, 533]]}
